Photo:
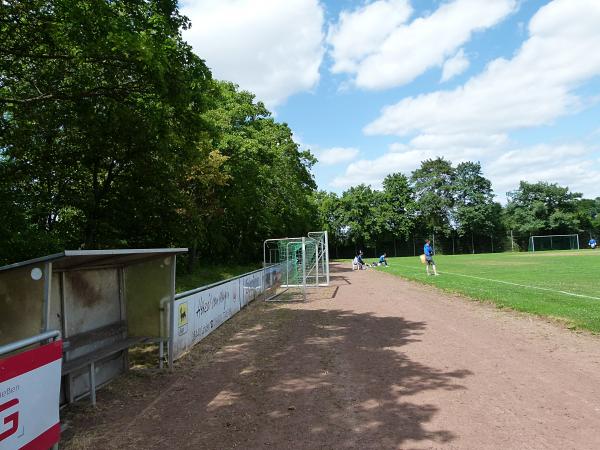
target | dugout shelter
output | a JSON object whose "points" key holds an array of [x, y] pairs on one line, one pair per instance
{"points": [[102, 302]]}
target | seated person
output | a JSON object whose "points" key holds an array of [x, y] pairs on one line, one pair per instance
{"points": [[382, 260], [361, 263], [592, 243]]}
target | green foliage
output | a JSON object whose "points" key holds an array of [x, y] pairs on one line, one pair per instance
{"points": [[361, 214], [434, 193], [270, 188], [329, 215], [437, 199], [113, 134], [588, 215], [542, 208], [475, 211], [398, 206]]}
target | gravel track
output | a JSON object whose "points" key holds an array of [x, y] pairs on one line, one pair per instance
{"points": [[375, 362]]}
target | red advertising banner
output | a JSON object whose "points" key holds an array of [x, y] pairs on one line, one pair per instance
{"points": [[29, 398]]}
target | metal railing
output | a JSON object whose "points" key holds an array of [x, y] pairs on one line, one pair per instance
{"points": [[14, 346]]}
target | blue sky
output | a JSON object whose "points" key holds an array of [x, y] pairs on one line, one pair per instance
{"points": [[375, 87]]}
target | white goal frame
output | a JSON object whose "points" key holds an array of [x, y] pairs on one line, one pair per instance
{"points": [[532, 240], [302, 262]]}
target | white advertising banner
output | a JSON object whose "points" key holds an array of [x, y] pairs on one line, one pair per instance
{"points": [[251, 286], [29, 398], [272, 277], [197, 315]]}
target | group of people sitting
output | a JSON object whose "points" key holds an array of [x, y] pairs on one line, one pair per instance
{"points": [[359, 264]]}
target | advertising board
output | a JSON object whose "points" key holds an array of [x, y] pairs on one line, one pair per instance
{"points": [[197, 315], [29, 398]]}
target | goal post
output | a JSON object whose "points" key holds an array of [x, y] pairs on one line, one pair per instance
{"points": [[301, 262], [554, 242]]}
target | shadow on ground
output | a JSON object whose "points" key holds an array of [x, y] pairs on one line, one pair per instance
{"points": [[276, 376]]}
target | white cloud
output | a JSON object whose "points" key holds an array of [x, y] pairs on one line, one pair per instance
{"points": [[336, 155], [375, 170], [269, 47], [568, 165], [533, 88], [455, 66], [503, 162], [459, 141], [391, 53], [361, 32], [407, 157]]}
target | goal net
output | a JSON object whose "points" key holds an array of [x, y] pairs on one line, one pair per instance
{"points": [[554, 242], [302, 263]]}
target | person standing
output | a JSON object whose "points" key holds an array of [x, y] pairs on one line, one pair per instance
{"points": [[428, 250]]}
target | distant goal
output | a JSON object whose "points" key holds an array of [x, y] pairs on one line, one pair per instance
{"points": [[554, 242], [300, 263]]}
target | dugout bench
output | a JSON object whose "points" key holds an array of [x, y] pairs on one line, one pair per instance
{"points": [[104, 302]]}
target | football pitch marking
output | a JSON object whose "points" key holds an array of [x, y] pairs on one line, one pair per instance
{"points": [[527, 286]]}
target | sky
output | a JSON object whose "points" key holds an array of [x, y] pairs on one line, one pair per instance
{"points": [[376, 87]]}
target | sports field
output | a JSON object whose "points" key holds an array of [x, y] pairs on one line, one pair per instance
{"points": [[373, 362], [564, 285]]}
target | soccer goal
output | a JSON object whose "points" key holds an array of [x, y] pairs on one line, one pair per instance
{"points": [[302, 263], [554, 242]]}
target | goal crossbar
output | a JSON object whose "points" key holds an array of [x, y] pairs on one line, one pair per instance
{"points": [[572, 245]]}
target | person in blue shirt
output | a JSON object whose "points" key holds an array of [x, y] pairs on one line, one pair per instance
{"points": [[358, 260], [382, 260], [592, 243], [428, 250]]}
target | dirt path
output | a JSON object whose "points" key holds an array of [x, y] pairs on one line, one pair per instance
{"points": [[380, 364]]}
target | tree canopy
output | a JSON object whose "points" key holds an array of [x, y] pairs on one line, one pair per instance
{"points": [[456, 206], [113, 133]]}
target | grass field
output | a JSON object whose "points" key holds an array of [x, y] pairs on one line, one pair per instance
{"points": [[204, 275], [561, 285]]}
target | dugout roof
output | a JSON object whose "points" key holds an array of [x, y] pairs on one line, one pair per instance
{"points": [[82, 259]]}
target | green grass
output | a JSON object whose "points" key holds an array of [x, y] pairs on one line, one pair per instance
{"points": [[204, 275], [575, 272]]}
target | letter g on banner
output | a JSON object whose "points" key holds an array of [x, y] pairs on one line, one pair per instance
{"points": [[12, 418]]}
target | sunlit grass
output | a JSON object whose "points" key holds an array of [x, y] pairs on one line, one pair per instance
{"points": [[572, 272]]}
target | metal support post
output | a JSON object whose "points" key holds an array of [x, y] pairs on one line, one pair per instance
{"points": [[304, 268], [172, 311], [327, 256], [93, 383], [47, 295], [161, 353], [317, 265]]}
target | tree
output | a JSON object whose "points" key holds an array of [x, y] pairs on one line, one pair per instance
{"points": [[588, 215], [542, 208], [398, 206], [270, 188], [434, 194], [101, 107], [361, 215], [475, 212], [328, 207], [114, 134]]}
